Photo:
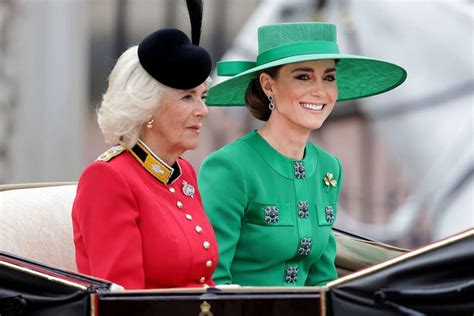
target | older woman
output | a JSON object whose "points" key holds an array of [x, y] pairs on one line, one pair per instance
{"points": [[272, 195], [137, 217]]}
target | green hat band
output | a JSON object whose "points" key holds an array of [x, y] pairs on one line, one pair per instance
{"points": [[298, 48], [232, 68]]}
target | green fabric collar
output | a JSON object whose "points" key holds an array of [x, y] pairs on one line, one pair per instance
{"points": [[281, 164]]}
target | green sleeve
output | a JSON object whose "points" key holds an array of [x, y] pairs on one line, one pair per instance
{"points": [[324, 270], [224, 196]]}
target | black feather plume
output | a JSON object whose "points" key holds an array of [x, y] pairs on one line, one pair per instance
{"points": [[195, 16]]}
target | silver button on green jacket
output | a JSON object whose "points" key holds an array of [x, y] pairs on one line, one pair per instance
{"points": [[272, 215]]}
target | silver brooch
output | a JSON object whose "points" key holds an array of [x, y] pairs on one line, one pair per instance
{"points": [[303, 209], [330, 217], [299, 170], [188, 189], [291, 274], [305, 246], [271, 214]]}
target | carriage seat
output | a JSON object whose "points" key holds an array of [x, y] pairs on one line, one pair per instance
{"points": [[35, 223]]}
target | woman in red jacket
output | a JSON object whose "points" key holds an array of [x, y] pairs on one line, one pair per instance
{"points": [[137, 217]]}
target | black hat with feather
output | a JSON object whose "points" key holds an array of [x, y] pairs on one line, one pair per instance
{"points": [[171, 58]]}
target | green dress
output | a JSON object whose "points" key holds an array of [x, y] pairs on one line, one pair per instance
{"points": [[272, 215]]}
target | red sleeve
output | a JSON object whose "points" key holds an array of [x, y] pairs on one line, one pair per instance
{"points": [[107, 217]]}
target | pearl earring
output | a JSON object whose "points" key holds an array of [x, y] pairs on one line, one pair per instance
{"points": [[149, 124]]}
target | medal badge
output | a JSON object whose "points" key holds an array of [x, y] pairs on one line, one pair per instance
{"points": [[188, 189]]}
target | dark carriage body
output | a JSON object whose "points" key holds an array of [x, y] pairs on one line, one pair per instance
{"points": [[32, 288], [437, 279], [29, 288]]}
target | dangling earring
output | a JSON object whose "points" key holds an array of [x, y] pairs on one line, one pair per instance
{"points": [[271, 105], [149, 124]]}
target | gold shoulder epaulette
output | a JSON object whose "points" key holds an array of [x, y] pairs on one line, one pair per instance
{"points": [[111, 153]]}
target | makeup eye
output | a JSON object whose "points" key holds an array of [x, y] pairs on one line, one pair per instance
{"points": [[187, 97], [302, 77], [330, 78]]}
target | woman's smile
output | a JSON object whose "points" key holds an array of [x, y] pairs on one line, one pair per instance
{"points": [[313, 107]]}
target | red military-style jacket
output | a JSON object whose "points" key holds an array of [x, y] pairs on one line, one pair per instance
{"points": [[140, 229]]}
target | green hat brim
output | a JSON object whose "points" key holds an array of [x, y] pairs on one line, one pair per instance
{"points": [[357, 77]]}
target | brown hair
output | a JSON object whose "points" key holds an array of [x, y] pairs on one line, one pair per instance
{"points": [[256, 100]]}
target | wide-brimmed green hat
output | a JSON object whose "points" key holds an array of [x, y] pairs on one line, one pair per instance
{"points": [[286, 43]]}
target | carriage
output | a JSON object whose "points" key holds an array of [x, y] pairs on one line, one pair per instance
{"points": [[38, 274]]}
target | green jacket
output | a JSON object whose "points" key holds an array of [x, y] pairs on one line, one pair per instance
{"points": [[272, 217]]}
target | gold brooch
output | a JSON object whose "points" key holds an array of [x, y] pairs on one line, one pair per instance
{"points": [[329, 181]]}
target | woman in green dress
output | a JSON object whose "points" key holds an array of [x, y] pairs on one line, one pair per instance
{"points": [[271, 195]]}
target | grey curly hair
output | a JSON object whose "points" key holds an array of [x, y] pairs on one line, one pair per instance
{"points": [[131, 99]]}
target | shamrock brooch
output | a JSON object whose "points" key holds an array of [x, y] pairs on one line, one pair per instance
{"points": [[329, 181]]}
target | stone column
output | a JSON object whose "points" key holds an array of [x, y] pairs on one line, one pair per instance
{"points": [[51, 68]]}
